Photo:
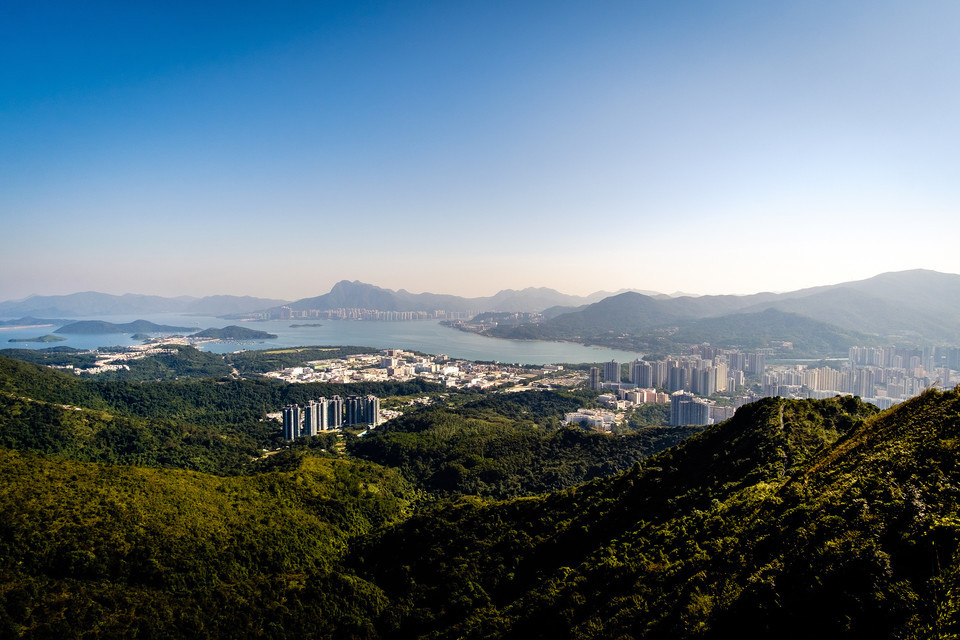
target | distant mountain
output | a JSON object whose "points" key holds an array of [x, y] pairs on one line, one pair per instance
{"points": [[918, 305], [224, 305], [909, 306], [350, 295], [760, 329], [102, 304], [97, 327], [635, 322]]}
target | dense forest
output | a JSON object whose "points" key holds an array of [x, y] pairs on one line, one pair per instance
{"points": [[146, 509]]}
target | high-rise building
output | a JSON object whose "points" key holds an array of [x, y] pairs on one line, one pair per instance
{"points": [[737, 361], [641, 374], [371, 410], [323, 414], [687, 409], [352, 411], [756, 363], [707, 381], [659, 377], [316, 417], [335, 412], [720, 371], [311, 419], [676, 378], [594, 378], [611, 371], [291, 422]]}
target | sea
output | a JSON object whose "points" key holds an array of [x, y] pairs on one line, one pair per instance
{"points": [[427, 336]]}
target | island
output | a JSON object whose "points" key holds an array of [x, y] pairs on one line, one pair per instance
{"points": [[297, 326], [96, 327], [46, 338], [233, 332]]}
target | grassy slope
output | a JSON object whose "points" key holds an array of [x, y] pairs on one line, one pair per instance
{"points": [[120, 550]]}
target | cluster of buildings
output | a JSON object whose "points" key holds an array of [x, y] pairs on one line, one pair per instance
{"points": [[287, 313], [116, 360], [685, 409], [883, 376], [325, 414], [398, 365], [705, 373]]}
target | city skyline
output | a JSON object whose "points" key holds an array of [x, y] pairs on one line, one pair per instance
{"points": [[250, 149]]}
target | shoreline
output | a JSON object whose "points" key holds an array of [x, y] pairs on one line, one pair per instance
{"points": [[26, 326]]}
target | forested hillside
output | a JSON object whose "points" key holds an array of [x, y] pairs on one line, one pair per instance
{"points": [[507, 445], [795, 519], [137, 509]]}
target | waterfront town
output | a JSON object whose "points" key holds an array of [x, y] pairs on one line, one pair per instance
{"points": [[704, 386]]}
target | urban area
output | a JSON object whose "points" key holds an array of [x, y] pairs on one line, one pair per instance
{"points": [[702, 387]]}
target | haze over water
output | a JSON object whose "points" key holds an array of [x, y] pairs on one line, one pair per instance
{"points": [[427, 336]]}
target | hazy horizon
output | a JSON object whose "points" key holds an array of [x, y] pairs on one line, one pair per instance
{"points": [[464, 148], [452, 293]]}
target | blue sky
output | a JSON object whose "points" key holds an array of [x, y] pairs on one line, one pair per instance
{"points": [[273, 149]]}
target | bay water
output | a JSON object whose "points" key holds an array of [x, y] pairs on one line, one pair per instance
{"points": [[428, 336]]}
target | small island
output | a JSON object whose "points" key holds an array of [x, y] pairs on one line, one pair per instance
{"points": [[233, 332], [46, 338], [297, 326]]}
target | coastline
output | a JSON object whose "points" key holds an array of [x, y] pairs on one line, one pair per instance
{"points": [[26, 326]]}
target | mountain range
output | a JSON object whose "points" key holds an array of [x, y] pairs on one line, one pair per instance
{"points": [[917, 305], [907, 306], [91, 303], [347, 294]]}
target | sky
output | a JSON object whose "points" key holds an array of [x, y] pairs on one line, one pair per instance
{"points": [[275, 148]]}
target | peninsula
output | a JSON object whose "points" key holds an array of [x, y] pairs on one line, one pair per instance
{"points": [[233, 332]]}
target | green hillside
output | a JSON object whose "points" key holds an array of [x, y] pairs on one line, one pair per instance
{"points": [[794, 519], [835, 524], [507, 445], [637, 322], [111, 551]]}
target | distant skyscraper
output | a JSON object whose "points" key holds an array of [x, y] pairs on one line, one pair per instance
{"points": [[291, 422], [687, 409], [594, 378], [311, 419], [642, 374], [353, 411], [676, 378], [371, 410], [335, 411], [659, 375], [756, 363], [323, 414], [611, 371], [737, 361]]}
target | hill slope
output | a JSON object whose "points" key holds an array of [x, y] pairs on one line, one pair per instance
{"points": [[914, 305], [764, 526], [794, 519]]}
